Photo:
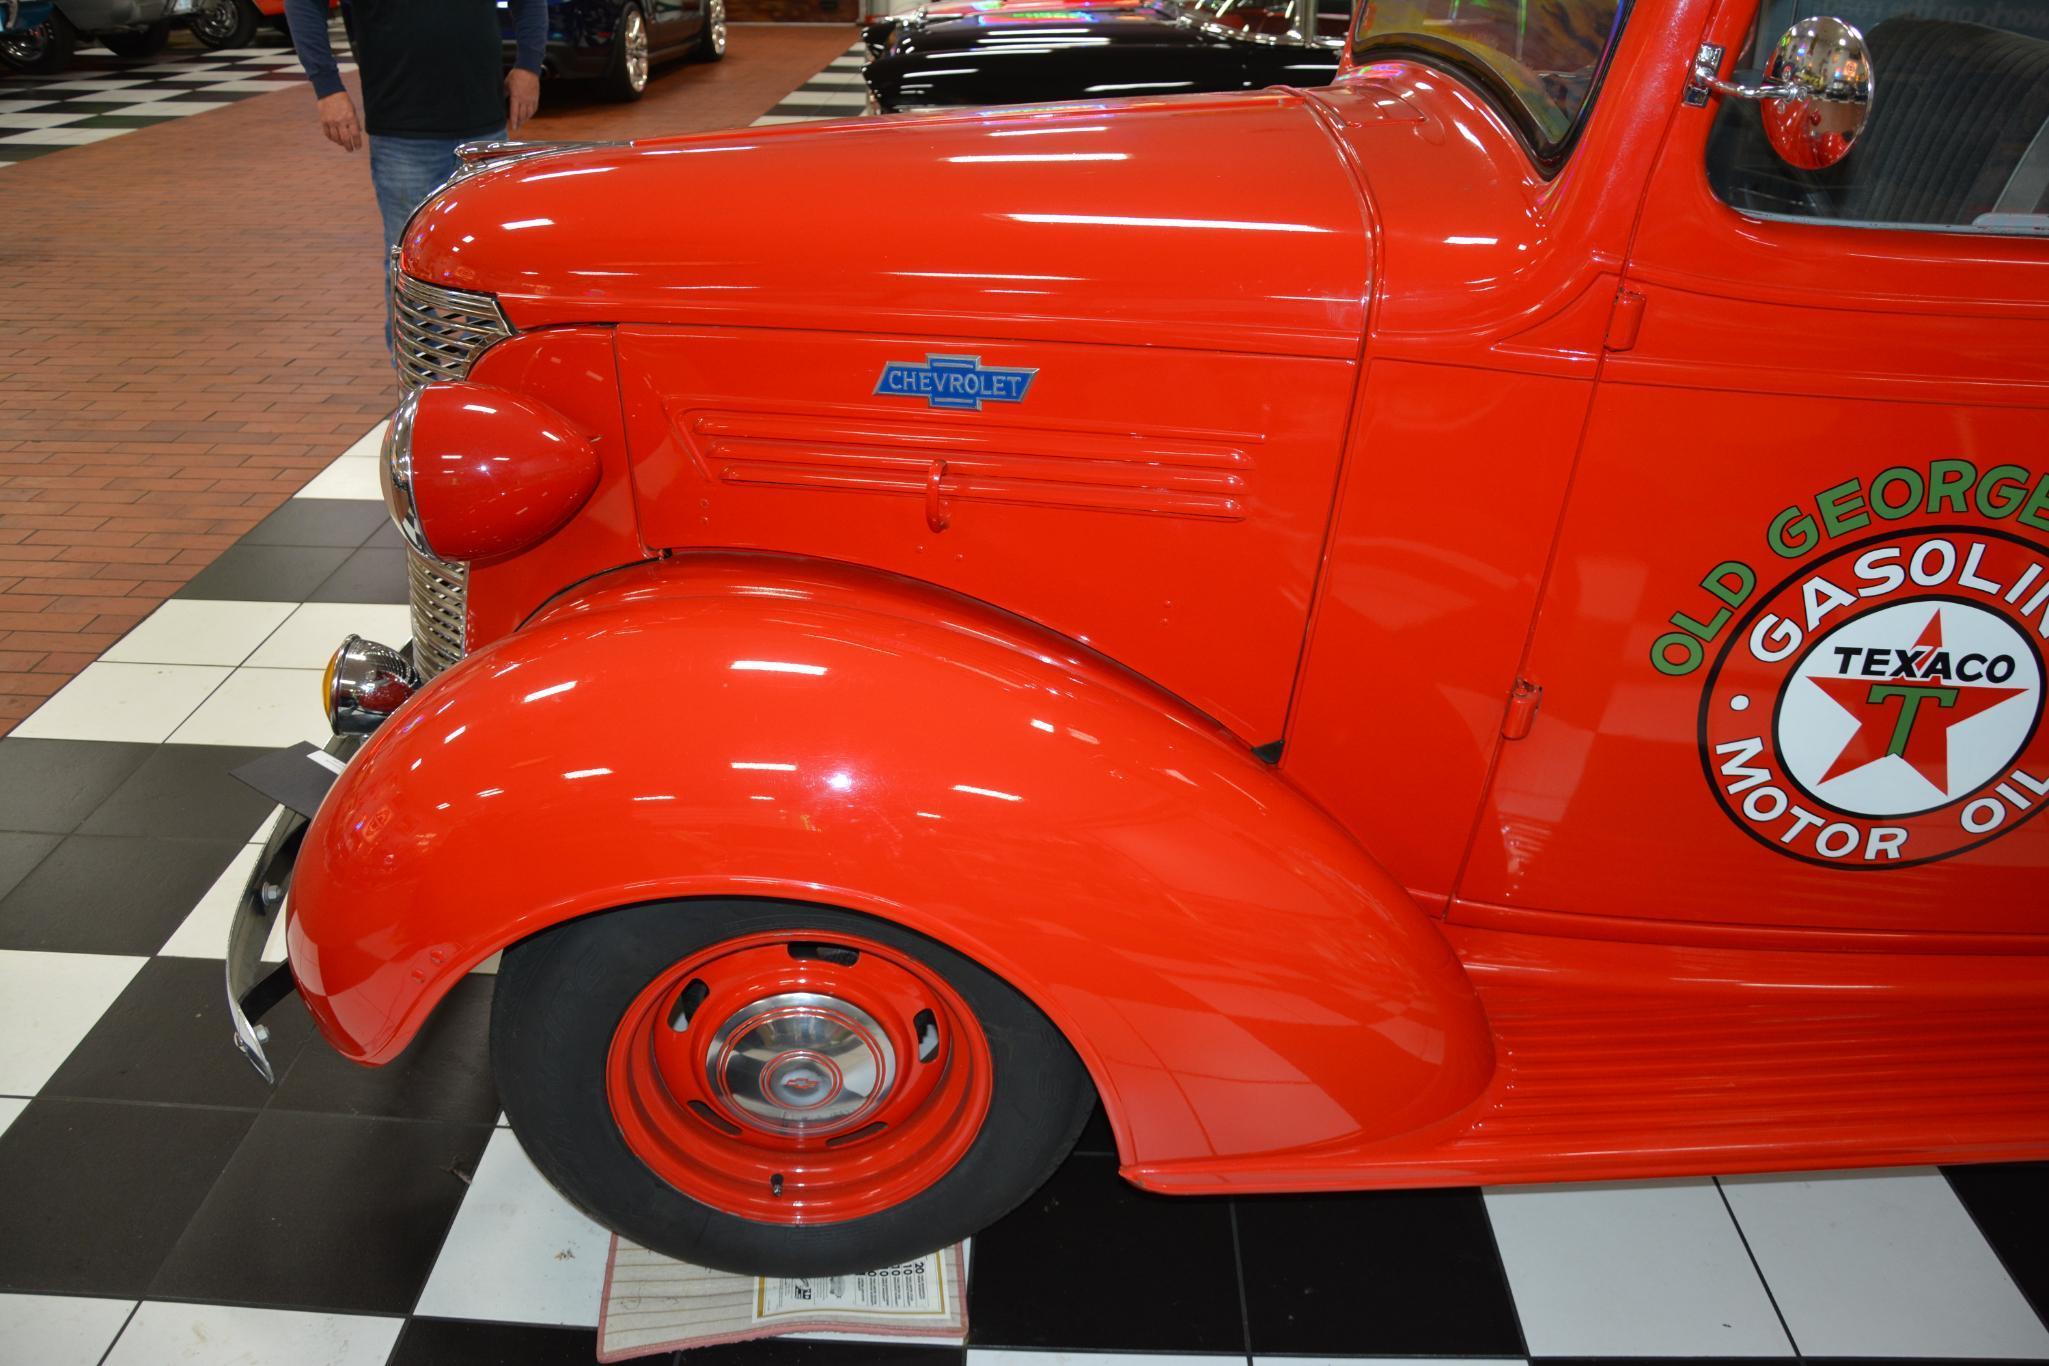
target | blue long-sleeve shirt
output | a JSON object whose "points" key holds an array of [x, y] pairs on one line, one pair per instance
{"points": [[429, 69]]}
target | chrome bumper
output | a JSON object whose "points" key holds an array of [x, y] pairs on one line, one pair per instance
{"points": [[253, 991]]}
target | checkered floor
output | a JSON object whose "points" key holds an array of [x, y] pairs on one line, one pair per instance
{"points": [[103, 96], [838, 92], [157, 1204]]}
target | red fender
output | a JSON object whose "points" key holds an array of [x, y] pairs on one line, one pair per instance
{"points": [[1235, 972]]}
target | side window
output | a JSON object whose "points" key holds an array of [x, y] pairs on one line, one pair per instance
{"points": [[1958, 136]]}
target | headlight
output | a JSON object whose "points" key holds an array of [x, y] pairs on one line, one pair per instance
{"points": [[472, 472]]}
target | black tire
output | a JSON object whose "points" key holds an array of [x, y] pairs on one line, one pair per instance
{"points": [[632, 63], [711, 40], [140, 42], [226, 24], [561, 995], [45, 50]]}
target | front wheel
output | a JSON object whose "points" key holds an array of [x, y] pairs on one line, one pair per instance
{"points": [[140, 42], [226, 23], [711, 42], [776, 1089], [44, 50], [632, 56]]}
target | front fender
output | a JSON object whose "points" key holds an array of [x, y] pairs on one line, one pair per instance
{"points": [[1235, 972]]}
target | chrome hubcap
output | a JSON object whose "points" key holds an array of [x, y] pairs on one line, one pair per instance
{"points": [[217, 20], [26, 45], [636, 49], [718, 25], [801, 1063]]}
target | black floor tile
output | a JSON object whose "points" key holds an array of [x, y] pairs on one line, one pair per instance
{"points": [[370, 575], [790, 1352], [167, 1038], [93, 1196], [2010, 1201], [326, 1212], [265, 573], [19, 854], [461, 1342], [50, 786], [342, 522], [387, 538], [444, 1074], [186, 791], [1389, 1273], [111, 893], [1090, 1263]]}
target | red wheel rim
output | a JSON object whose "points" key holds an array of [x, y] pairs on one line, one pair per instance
{"points": [[799, 1078]]}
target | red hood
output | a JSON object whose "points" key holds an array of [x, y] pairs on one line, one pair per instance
{"points": [[1224, 222]]}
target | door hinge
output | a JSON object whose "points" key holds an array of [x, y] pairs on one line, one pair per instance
{"points": [[1625, 321], [1522, 709]]}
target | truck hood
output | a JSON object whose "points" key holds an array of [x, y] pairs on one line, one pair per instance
{"points": [[1217, 222]]}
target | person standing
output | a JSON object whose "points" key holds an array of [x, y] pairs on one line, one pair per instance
{"points": [[431, 82]]}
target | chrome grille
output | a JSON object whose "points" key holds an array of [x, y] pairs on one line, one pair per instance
{"points": [[437, 334], [439, 593]]}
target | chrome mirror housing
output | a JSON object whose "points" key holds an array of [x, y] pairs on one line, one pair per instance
{"points": [[1817, 91]]}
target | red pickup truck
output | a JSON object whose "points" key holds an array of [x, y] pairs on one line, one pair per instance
{"points": [[1479, 624]]}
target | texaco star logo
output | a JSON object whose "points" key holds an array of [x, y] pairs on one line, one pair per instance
{"points": [[1883, 707]]}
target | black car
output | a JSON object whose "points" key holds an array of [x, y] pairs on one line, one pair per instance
{"points": [[1002, 54], [617, 42]]}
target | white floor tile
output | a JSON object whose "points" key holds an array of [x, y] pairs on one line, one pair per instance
{"points": [[12, 1106], [852, 80], [196, 631], [249, 84], [518, 1252], [1631, 1268], [259, 707], [60, 1330], [165, 109], [62, 137], [307, 638], [370, 444], [204, 933], [24, 106], [346, 477], [220, 1335], [1884, 1264], [137, 702], [95, 83], [48, 1002], [40, 120]]}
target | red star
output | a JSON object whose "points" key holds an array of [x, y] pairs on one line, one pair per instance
{"points": [[1908, 717]]}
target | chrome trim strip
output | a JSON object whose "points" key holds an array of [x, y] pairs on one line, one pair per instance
{"points": [[395, 473]]}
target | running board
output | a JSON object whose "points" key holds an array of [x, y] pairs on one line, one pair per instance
{"points": [[1630, 1061]]}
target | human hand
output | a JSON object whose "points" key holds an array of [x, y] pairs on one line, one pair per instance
{"points": [[338, 121], [522, 97]]}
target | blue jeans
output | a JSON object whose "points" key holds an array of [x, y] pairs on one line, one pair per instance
{"points": [[405, 171]]}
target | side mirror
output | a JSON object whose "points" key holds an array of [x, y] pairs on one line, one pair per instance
{"points": [[1817, 93]]}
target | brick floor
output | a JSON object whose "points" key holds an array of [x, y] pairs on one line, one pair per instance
{"points": [[190, 328]]}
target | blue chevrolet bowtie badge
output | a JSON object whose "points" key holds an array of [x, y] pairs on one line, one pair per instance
{"points": [[962, 383]]}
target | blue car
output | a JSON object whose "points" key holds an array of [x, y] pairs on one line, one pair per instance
{"points": [[617, 42]]}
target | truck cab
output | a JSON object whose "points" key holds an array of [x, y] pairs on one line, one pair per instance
{"points": [[1482, 623]]}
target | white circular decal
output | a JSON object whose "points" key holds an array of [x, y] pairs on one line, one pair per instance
{"points": [[1908, 707]]}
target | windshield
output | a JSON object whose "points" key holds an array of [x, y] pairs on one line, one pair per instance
{"points": [[1543, 56], [1275, 19]]}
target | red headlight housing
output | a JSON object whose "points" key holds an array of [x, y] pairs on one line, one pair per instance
{"points": [[472, 472]]}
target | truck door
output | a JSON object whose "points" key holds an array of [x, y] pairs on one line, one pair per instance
{"points": [[1791, 647]]}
